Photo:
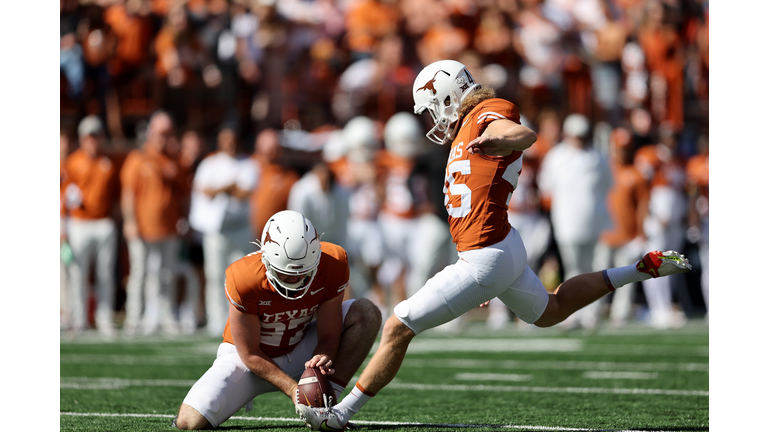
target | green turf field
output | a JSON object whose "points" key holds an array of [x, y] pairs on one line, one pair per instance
{"points": [[531, 380]]}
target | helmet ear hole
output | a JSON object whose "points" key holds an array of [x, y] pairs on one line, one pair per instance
{"points": [[447, 101]]}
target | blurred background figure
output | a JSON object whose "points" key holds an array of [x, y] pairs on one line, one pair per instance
{"points": [[364, 236], [152, 213], [137, 250], [624, 243], [664, 171], [275, 180], [189, 267], [575, 179], [65, 147], [403, 142], [320, 196], [220, 211], [697, 171], [90, 202]]}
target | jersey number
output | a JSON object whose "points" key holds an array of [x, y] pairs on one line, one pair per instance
{"points": [[451, 188], [273, 333]]}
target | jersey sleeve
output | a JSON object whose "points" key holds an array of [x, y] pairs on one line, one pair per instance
{"points": [[241, 285], [337, 271], [496, 109], [230, 287]]}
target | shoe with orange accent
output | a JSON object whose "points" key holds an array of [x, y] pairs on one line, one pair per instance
{"points": [[323, 419], [659, 263]]}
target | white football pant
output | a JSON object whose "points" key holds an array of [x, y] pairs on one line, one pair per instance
{"points": [[228, 385], [479, 275]]}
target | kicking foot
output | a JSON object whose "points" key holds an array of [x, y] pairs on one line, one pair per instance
{"points": [[659, 263]]}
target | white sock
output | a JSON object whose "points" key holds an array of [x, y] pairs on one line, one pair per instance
{"points": [[354, 401], [621, 276]]}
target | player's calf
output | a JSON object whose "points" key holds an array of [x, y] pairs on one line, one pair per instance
{"points": [[190, 419]]}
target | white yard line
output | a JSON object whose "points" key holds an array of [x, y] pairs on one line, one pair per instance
{"points": [[83, 383], [553, 365], [363, 422], [529, 389], [145, 360]]}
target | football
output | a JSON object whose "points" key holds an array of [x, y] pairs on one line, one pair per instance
{"points": [[315, 390]]}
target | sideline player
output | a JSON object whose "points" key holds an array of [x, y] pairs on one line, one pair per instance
{"points": [[482, 171], [270, 336]]}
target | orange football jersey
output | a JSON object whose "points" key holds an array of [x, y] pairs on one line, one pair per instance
{"points": [[478, 187], [283, 321]]}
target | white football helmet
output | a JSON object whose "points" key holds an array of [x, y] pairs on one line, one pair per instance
{"points": [[440, 88], [290, 247], [403, 135]]}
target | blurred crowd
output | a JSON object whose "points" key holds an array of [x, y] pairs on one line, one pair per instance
{"points": [[185, 124]]}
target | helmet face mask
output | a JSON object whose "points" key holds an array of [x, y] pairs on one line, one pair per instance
{"points": [[290, 247], [440, 88]]}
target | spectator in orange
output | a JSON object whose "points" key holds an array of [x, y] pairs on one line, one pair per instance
{"points": [[90, 199], [665, 57], [624, 242], [180, 55], [275, 182], [130, 22], [442, 40], [152, 213], [368, 21]]}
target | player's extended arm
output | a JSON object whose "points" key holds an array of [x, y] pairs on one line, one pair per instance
{"points": [[501, 138], [329, 326], [246, 332]]}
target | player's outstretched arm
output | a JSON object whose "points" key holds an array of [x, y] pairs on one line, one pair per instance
{"points": [[501, 138], [246, 332]]}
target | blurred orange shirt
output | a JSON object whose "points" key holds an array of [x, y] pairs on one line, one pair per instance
{"points": [[158, 183], [629, 192], [368, 21], [271, 193], [697, 170], [97, 180], [659, 166], [134, 35]]}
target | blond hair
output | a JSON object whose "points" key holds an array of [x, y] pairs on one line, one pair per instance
{"points": [[481, 94]]}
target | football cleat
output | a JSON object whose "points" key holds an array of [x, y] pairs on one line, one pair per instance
{"points": [[659, 263], [321, 419]]}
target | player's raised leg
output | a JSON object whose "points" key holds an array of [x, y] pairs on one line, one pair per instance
{"points": [[582, 290]]}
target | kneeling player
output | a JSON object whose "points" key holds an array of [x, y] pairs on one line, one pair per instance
{"points": [[270, 336]]}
